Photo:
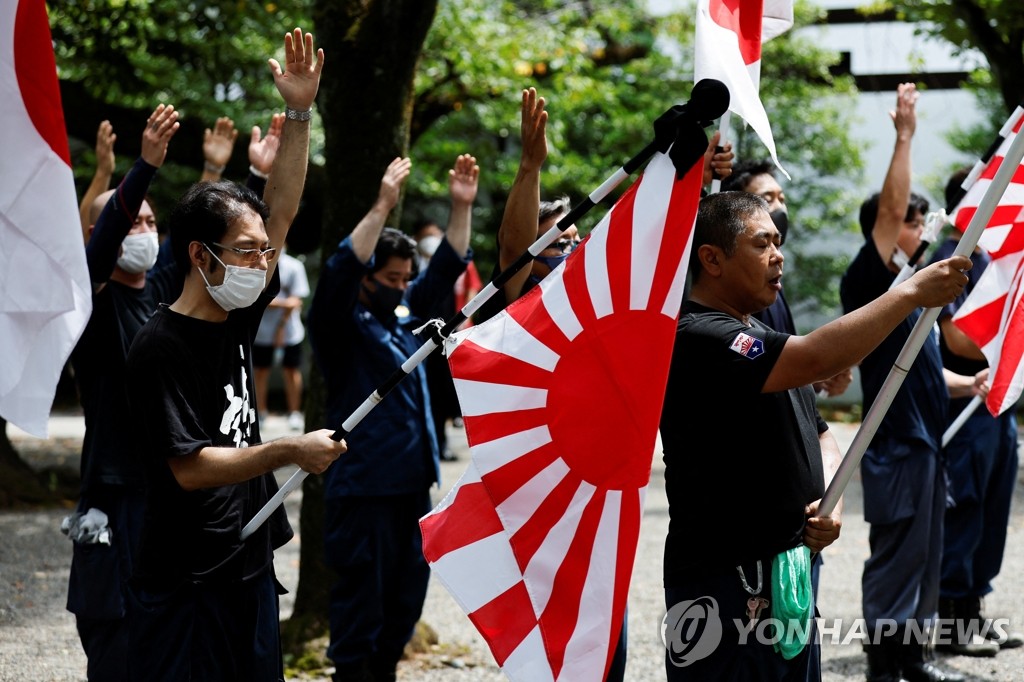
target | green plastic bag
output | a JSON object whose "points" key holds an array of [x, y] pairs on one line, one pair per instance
{"points": [[792, 600]]}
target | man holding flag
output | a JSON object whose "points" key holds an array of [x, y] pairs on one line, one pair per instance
{"points": [[902, 473], [783, 451]]}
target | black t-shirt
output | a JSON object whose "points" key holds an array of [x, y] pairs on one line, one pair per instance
{"points": [[190, 386], [740, 465], [110, 456]]}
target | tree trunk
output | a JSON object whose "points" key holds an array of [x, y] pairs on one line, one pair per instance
{"points": [[366, 100]]}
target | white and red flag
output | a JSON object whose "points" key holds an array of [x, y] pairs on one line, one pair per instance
{"points": [[561, 394], [727, 47], [993, 314], [45, 294]]}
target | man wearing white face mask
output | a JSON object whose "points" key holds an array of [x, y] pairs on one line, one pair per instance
{"points": [[121, 250], [205, 602]]}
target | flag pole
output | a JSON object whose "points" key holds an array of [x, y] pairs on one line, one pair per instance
{"points": [[960, 420], [919, 334], [679, 126]]}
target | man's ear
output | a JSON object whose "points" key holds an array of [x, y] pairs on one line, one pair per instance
{"points": [[197, 254], [710, 258]]}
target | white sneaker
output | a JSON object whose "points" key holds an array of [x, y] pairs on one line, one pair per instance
{"points": [[296, 422]]}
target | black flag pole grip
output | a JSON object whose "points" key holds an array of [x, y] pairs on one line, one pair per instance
{"points": [[680, 131]]}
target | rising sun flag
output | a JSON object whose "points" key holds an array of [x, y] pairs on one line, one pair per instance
{"points": [[45, 295], [993, 314], [561, 395]]}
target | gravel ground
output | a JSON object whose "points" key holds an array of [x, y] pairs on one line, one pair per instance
{"points": [[38, 641]]}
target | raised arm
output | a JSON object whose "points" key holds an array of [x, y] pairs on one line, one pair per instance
{"points": [[895, 196], [297, 82], [462, 186], [844, 342], [367, 232], [217, 147], [519, 223], [119, 212], [105, 161], [263, 149], [717, 163]]}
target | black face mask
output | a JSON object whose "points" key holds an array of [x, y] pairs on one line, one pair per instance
{"points": [[781, 219], [383, 299]]}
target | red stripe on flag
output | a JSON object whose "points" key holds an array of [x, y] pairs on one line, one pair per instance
{"points": [[469, 518], [505, 621], [575, 280], [619, 248], [508, 478], [1009, 359], [538, 321], [1002, 215], [1017, 125], [629, 536], [682, 210], [484, 428], [528, 539], [562, 611], [744, 18], [993, 167], [982, 324], [36, 71], [474, 362], [1014, 241]]}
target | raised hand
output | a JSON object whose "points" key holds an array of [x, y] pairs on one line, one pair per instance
{"points": [[391, 184], [105, 139], [299, 79], [263, 150], [905, 115], [160, 128], [533, 128], [219, 142], [463, 180]]}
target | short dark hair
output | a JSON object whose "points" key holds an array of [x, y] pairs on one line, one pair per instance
{"points": [[393, 242], [418, 226], [204, 214], [721, 218], [954, 183], [869, 211], [555, 207], [744, 172]]}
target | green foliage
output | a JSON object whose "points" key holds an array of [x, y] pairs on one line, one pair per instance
{"points": [[207, 57]]}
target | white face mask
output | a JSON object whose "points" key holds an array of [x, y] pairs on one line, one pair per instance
{"points": [[240, 288], [428, 245], [138, 252]]}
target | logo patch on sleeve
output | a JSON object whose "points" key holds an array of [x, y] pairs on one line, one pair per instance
{"points": [[747, 345]]}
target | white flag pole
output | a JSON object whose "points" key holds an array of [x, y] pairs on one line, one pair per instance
{"points": [[922, 329], [960, 420]]}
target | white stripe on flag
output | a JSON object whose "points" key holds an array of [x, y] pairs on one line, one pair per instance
{"points": [[650, 209], [482, 397], [508, 337], [496, 453], [587, 650], [540, 572], [556, 300], [521, 505], [529, 660], [595, 255], [464, 568]]}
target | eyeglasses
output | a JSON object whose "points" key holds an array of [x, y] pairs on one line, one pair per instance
{"points": [[565, 245], [250, 256]]}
